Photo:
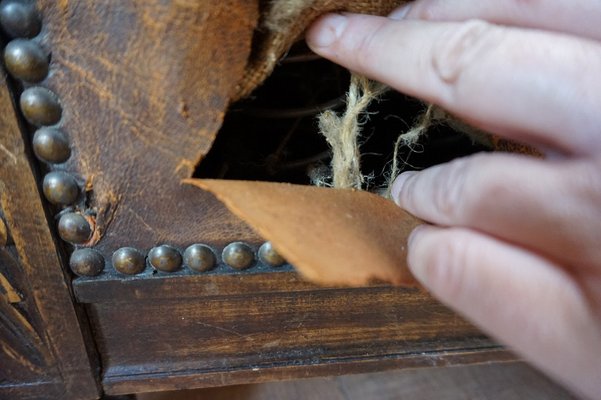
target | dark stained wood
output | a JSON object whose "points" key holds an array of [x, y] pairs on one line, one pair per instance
{"points": [[41, 345], [33, 391], [195, 330], [24, 355], [110, 288]]}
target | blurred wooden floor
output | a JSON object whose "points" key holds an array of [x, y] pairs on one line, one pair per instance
{"points": [[495, 382]]}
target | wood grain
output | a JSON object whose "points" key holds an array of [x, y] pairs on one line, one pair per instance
{"points": [[23, 351], [196, 331], [40, 390], [40, 336], [114, 289]]}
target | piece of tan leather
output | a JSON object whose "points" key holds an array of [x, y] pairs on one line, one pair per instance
{"points": [[332, 236]]}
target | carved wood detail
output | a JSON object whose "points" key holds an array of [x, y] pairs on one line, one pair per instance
{"points": [[23, 353], [42, 350]]}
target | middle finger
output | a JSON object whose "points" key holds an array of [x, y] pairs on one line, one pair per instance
{"points": [[550, 207]]}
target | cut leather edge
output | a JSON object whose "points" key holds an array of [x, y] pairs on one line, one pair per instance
{"points": [[321, 272]]}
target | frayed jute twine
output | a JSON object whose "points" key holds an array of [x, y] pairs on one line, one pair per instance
{"points": [[409, 139], [343, 132]]}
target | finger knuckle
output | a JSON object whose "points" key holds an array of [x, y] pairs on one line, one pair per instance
{"points": [[449, 262], [369, 48], [588, 179], [492, 194], [487, 186], [460, 47], [584, 184], [580, 182], [449, 190], [430, 10]]}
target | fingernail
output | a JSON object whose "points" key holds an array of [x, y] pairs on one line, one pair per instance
{"points": [[400, 13], [397, 185], [327, 30]]}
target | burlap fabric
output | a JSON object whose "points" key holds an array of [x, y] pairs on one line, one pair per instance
{"points": [[284, 21]]}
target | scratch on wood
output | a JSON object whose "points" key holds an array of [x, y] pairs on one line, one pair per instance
{"points": [[16, 316], [10, 352], [10, 155], [159, 231], [12, 295], [3, 233], [141, 219], [221, 329]]}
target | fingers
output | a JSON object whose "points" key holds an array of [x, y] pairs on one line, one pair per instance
{"points": [[527, 85], [550, 207], [576, 17], [520, 299]]}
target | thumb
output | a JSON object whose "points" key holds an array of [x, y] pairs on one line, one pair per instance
{"points": [[521, 299]]}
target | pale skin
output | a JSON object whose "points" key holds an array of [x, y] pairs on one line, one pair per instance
{"points": [[514, 242]]}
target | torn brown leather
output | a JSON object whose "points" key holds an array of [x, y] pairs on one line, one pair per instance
{"points": [[332, 236]]}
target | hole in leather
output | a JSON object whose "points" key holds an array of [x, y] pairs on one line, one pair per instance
{"points": [[273, 135]]}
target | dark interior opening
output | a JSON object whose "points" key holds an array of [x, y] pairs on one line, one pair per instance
{"points": [[273, 135]]}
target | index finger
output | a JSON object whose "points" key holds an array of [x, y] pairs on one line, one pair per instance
{"points": [[536, 87]]}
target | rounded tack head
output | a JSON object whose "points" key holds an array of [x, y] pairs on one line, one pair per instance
{"points": [[165, 258], [25, 59], [199, 257], [40, 106], [60, 188], [268, 255], [51, 145], [129, 261], [238, 255], [86, 262], [74, 228], [19, 19]]}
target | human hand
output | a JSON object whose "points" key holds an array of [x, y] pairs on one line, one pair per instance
{"points": [[515, 244]]}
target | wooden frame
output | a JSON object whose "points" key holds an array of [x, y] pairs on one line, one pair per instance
{"points": [[44, 343]]}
